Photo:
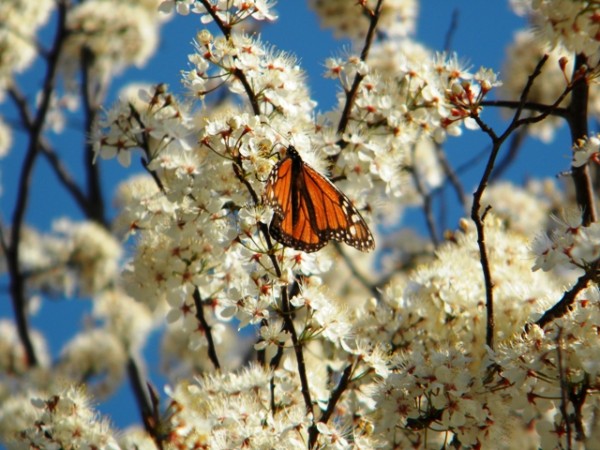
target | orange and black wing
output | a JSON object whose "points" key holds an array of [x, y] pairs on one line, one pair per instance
{"points": [[309, 210]]}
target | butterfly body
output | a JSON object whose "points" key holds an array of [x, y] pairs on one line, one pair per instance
{"points": [[309, 210]]}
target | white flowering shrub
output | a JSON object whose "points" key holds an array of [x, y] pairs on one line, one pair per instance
{"points": [[483, 334]]}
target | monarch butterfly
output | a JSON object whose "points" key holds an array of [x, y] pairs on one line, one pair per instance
{"points": [[310, 210]]}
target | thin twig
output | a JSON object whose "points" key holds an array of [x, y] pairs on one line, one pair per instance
{"points": [[65, 178], [313, 432], [513, 150], [148, 409], [531, 106], [206, 328], [337, 393], [577, 396], [451, 30], [564, 305], [351, 94], [427, 200], [563, 388], [451, 177], [17, 282], [452, 174], [371, 287], [56, 164], [153, 422], [478, 218]]}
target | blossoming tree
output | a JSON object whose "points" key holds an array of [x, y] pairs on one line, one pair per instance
{"points": [[485, 336]]}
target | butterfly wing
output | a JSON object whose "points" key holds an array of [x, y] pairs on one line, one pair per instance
{"points": [[335, 216], [309, 210], [293, 219]]}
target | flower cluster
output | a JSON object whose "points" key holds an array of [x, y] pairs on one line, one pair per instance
{"points": [[572, 23], [399, 104], [99, 355], [234, 412], [227, 11], [569, 246], [114, 34], [555, 366], [524, 210], [523, 55], [351, 19], [344, 358], [145, 118], [75, 257], [442, 384], [61, 420], [586, 151], [272, 78], [13, 361], [443, 300], [20, 21]]}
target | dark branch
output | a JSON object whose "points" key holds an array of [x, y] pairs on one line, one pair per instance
{"points": [[56, 164], [531, 106], [313, 432], [92, 99], [427, 199], [451, 176], [564, 305], [578, 125], [17, 282], [476, 214], [451, 30], [513, 150], [351, 94], [206, 328], [148, 405], [289, 327]]}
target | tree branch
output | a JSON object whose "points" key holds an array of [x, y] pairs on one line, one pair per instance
{"points": [[212, 350], [513, 151], [149, 410], [531, 106], [427, 200], [56, 164], [313, 432], [563, 306], [351, 94], [17, 282], [289, 327], [478, 218], [577, 119], [92, 99]]}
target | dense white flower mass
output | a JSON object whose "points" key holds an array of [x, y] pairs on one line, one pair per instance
{"points": [[20, 22], [66, 420], [112, 35], [522, 56], [572, 23], [451, 340], [587, 151], [398, 17]]}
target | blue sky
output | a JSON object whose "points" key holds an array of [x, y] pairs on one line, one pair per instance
{"points": [[484, 30]]}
